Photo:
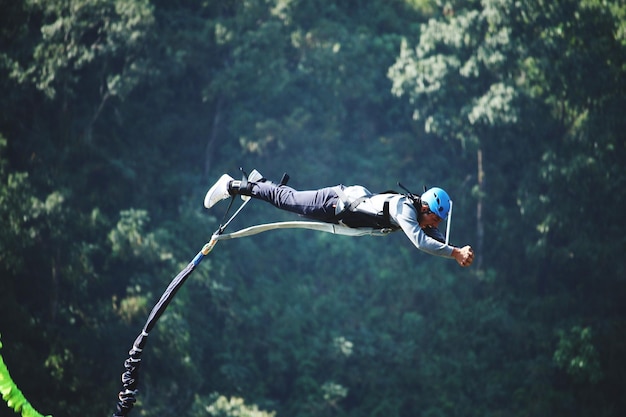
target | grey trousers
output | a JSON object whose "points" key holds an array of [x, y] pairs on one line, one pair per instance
{"points": [[315, 204]]}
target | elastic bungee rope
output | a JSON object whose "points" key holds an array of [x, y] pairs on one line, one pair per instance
{"points": [[130, 377], [127, 396]]}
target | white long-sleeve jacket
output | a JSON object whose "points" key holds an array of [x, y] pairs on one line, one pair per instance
{"points": [[402, 213]]}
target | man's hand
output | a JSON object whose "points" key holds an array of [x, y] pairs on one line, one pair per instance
{"points": [[464, 256]]}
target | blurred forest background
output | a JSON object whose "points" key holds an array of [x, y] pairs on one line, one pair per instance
{"points": [[116, 116]]}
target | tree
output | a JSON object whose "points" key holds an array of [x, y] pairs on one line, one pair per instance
{"points": [[460, 78], [514, 81]]}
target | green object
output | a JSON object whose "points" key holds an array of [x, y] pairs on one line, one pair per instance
{"points": [[12, 395]]}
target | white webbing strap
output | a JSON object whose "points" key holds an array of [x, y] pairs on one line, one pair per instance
{"points": [[448, 223], [321, 227], [349, 203]]}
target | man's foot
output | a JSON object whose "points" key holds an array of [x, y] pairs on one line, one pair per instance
{"points": [[218, 192], [253, 177]]}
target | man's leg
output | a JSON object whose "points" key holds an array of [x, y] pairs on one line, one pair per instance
{"points": [[316, 204]]}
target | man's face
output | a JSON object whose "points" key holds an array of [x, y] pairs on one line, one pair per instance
{"points": [[428, 218]]}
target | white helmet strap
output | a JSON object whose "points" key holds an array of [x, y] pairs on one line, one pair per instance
{"points": [[449, 221]]}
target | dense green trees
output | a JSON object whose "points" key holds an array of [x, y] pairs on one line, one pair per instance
{"points": [[116, 115]]}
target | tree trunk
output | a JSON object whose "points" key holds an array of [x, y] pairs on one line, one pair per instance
{"points": [[54, 290], [480, 227], [208, 154]]}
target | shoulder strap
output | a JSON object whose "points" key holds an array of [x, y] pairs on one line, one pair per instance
{"points": [[415, 199], [386, 217], [349, 205]]}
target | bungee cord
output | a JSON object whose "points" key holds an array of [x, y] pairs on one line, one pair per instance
{"points": [[130, 377], [127, 396], [336, 229]]}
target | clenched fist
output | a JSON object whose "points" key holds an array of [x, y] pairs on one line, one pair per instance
{"points": [[464, 256]]}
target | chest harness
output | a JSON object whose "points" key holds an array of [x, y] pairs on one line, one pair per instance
{"points": [[350, 211]]}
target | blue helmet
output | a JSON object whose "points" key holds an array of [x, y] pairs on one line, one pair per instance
{"points": [[438, 201]]}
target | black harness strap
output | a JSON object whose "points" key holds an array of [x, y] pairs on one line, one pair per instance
{"points": [[354, 218], [386, 211]]}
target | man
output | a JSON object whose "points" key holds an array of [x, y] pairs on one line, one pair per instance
{"points": [[354, 206]]}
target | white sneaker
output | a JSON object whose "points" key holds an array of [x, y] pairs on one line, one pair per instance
{"points": [[218, 192]]}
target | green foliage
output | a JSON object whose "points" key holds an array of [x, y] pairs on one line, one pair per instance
{"points": [[576, 355], [220, 406], [12, 395], [460, 71], [83, 34], [118, 114]]}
